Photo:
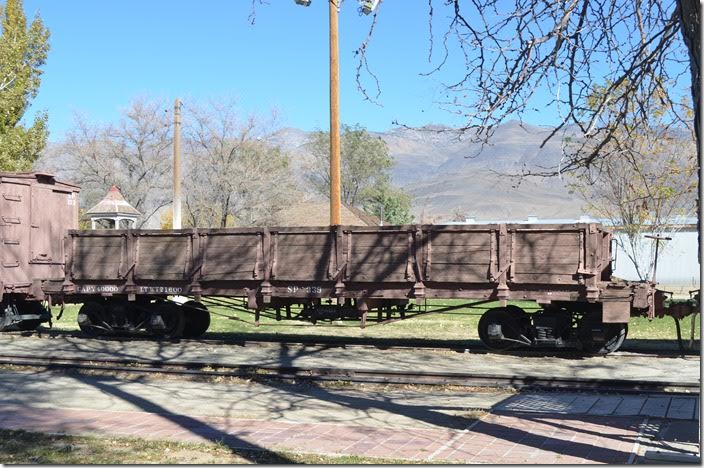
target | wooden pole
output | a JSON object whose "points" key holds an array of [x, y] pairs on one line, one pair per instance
{"points": [[334, 118], [177, 166]]}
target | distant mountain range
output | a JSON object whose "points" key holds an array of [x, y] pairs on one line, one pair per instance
{"points": [[448, 174]]}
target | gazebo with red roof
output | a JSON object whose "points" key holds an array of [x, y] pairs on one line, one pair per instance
{"points": [[114, 209]]}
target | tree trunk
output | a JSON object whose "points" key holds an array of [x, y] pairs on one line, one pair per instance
{"points": [[690, 19]]}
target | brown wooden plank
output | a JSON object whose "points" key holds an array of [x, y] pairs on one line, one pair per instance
{"points": [[380, 240], [545, 242], [556, 239], [290, 272], [231, 257], [542, 278], [226, 272], [483, 257], [233, 241], [227, 269], [365, 277], [556, 268], [460, 273], [439, 265], [371, 271], [296, 260], [481, 240], [302, 256], [553, 269], [231, 253], [97, 257], [459, 250], [304, 240], [378, 256], [546, 265], [162, 257], [544, 251]]}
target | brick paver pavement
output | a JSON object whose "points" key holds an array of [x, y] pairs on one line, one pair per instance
{"points": [[503, 438]]}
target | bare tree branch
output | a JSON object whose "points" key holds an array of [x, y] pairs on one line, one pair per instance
{"points": [[363, 65]]}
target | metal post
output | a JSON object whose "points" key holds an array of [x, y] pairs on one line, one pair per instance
{"points": [[334, 118], [176, 224], [657, 238]]}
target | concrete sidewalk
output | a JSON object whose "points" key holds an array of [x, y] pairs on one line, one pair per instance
{"points": [[503, 439], [546, 428], [666, 441], [669, 432]]}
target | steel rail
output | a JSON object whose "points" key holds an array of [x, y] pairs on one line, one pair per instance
{"points": [[384, 344], [139, 366]]}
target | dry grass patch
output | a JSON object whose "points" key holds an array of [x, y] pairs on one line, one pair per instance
{"points": [[24, 448]]}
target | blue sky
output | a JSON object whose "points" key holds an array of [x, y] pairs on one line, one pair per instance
{"points": [[104, 53]]}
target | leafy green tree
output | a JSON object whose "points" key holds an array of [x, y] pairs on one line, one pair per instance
{"points": [[22, 53], [365, 173], [390, 204]]}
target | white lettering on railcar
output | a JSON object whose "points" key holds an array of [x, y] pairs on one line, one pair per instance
{"points": [[160, 290], [97, 288], [110, 288], [306, 289]]}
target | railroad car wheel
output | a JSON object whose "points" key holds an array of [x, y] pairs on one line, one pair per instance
{"points": [[598, 337], [34, 308], [172, 318], [501, 328], [90, 317], [6, 313], [197, 319], [609, 337], [27, 325]]}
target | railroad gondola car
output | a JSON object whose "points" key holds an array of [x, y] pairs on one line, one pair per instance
{"points": [[127, 279]]}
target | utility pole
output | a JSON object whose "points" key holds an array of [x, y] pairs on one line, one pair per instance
{"points": [[334, 117], [366, 7], [177, 166]]}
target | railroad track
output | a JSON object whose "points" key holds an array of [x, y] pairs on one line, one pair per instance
{"points": [[470, 346], [191, 369]]}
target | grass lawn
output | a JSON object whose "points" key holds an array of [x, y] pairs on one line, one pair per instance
{"points": [[24, 448], [454, 325]]}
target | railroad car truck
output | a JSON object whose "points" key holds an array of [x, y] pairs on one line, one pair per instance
{"points": [[128, 280]]}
